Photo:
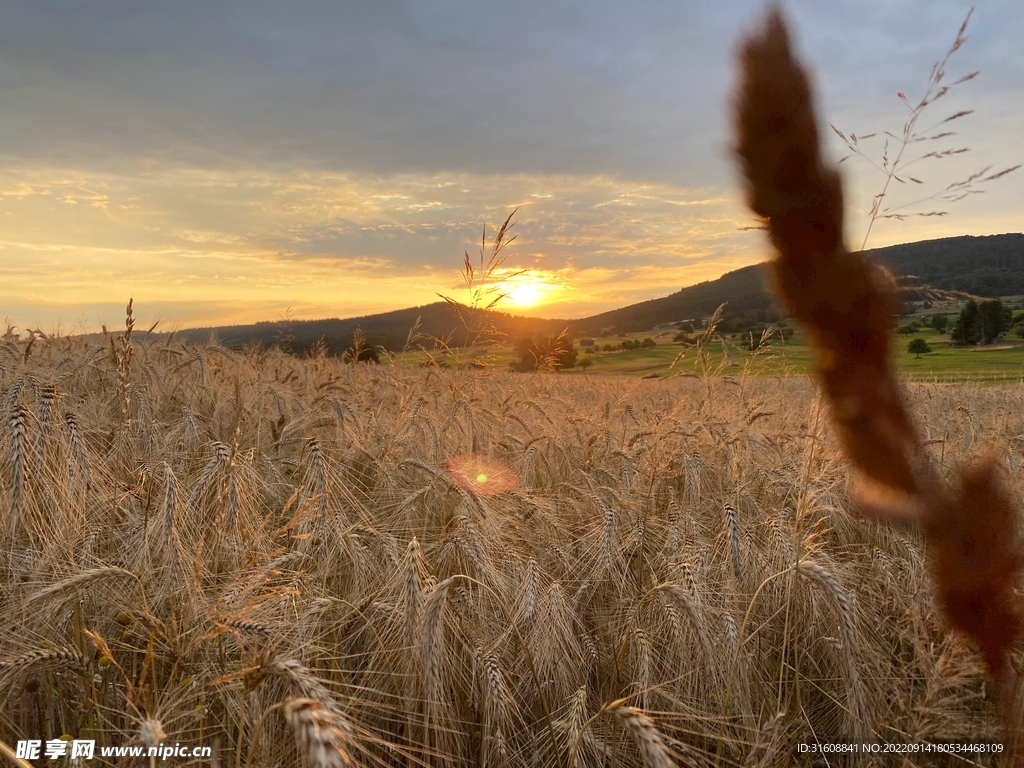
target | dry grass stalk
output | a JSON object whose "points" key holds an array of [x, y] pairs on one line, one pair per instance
{"points": [[467, 492], [847, 305], [229, 496], [893, 166], [483, 284]]}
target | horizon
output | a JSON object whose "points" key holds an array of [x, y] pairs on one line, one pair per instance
{"points": [[226, 168], [545, 318]]}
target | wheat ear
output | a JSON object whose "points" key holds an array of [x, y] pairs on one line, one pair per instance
{"points": [[648, 739], [79, 580], [321, 734]]}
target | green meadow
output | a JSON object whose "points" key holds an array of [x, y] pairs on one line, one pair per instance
{"points": [[997, 363], [945, 363], [730, 354]]}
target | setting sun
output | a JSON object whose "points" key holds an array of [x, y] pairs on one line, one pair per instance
{"points": [[528, 290], [525, 295]]}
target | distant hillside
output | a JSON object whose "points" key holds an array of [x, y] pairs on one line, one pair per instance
{"points": [[744, 290], [981, 266], [388, 329]]}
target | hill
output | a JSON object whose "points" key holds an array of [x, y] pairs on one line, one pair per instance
{"points": [[980, 266], [388, 329]]}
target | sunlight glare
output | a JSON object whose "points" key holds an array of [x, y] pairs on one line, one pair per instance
{"points": [[525, 294]]}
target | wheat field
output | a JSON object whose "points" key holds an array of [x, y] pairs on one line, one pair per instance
{"points": [[286, 559]]}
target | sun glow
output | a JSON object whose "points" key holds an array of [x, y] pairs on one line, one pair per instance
{"points": [[526, 295], [528, 290]]}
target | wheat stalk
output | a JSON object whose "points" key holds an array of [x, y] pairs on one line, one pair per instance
{"points": [[847, 305], [734, 542], [19, 430], [496, 698], [433, 613], [824, 579], [78, 447], [531, 587]]}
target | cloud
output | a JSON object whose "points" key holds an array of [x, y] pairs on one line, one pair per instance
{"points": [[339, 157]]}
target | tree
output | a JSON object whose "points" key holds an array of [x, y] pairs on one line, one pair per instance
{"points": [[965, 328], [940, 323], [981, 323], [918, 347], [994, 318], [586, 363]]}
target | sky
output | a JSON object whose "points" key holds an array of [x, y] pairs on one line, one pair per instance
{"points": [[230, 162]]}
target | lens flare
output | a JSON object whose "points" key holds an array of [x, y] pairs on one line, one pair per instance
{"points": [[482, 475]]}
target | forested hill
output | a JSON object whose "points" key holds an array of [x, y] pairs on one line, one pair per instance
{"points": [[983, 266]]}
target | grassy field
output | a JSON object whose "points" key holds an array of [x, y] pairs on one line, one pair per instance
{"points": [[1000, 363], [946, 363], [429, 567]]}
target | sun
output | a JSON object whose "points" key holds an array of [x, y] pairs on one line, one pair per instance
{"points": [[529, 289], [525, 294]]}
